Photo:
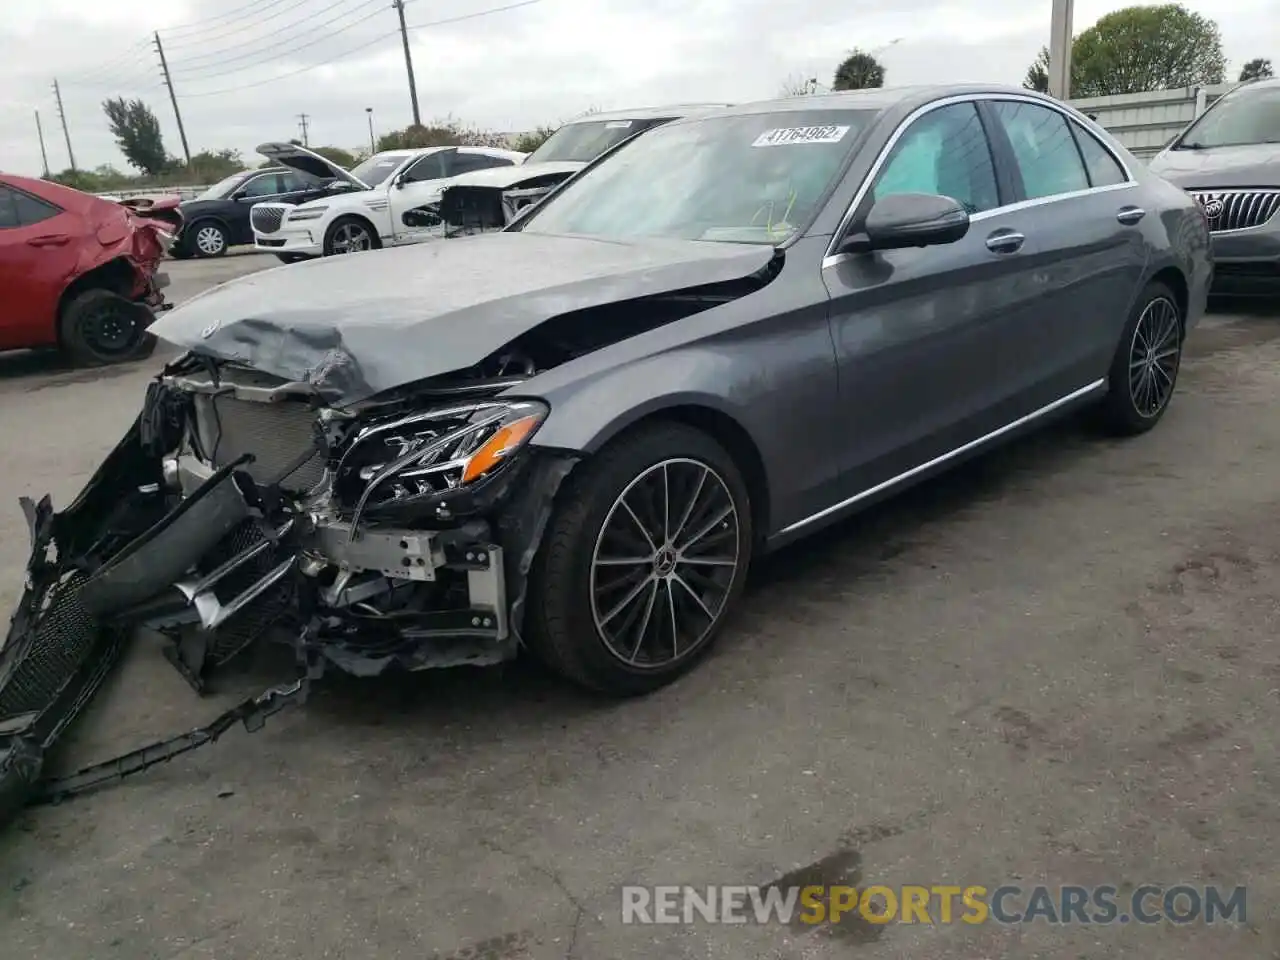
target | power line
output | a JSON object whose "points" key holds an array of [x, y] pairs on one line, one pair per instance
{"points": [[184, 42], [361, 47], [272, 50], [197, 26], [129, 57]]}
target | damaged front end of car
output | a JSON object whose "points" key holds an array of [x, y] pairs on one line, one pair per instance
{"points": [[479, 208], [391, 534]]}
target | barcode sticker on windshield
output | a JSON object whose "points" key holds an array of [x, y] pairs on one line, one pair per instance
{"points": [[786, 135]]}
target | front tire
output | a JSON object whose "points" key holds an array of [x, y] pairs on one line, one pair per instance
{"points": [[208, 239], [643, 561], [99, 327], [349, 235], [1144, 370]]}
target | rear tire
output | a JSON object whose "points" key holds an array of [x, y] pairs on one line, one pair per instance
{"points": [[1144, 370], [644, 559], [99, 327], [207, 238]]}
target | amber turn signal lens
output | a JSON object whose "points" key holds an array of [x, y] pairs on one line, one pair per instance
{"points": [[505, 441]]}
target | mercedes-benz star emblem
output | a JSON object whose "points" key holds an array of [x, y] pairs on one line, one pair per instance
{"points": [[210, 330], [1213, 208]]}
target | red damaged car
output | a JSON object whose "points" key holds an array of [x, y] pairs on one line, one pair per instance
{"points": [[80, 273]]}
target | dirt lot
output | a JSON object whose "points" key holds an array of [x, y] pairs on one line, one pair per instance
{"points": [[1057, 666]]}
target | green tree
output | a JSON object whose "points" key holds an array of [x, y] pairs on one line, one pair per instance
{"points": [[858, 71], [1259, 68], [531, 140], [343, 158], [1138, 49], [210, 166], [137, 133]]}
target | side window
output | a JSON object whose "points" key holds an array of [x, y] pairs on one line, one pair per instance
{"points": [[466, 162], [31, 210], [1104, 170], [1043, 147], [264, 186], [8, 209], [430, 167], [944, 152], [292, 181]]}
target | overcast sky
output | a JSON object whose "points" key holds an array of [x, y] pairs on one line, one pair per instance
{"points": [[538, 63]]}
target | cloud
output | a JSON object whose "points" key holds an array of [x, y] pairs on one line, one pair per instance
{"points": [[241, 70]]}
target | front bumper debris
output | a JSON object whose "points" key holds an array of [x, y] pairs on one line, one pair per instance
{"points": [[215, 556]]}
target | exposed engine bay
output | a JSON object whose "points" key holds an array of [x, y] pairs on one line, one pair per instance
{"points": [[475, 208]]}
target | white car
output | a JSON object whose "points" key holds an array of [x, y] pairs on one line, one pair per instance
{"points": [[390, 201], [491, 199]]}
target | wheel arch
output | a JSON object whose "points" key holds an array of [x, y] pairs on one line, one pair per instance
{"points": [[1173, 278], [353, 215], [117, 275], [718, 424]]}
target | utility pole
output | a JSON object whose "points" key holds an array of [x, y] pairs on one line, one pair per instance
{"points": [[44, 157], [408, 63], [372, 146], [302, 123], [173, 98], [62, 115], [1060, 28]]}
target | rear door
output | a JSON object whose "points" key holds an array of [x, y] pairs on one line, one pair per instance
{"points": [[39, 248], [1083, 250], [925, 337]]}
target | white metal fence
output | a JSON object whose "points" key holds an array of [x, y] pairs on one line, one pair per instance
{"points": [[182, 193], [1145, 122]]}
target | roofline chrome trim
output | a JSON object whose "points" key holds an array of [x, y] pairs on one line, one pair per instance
{"points": [[883, 155], [938, 461]]}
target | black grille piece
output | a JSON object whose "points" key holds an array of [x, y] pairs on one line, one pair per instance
{"points": [[247, 624], [277, 434], [266, 219], [65, 636], [1237, 209]]}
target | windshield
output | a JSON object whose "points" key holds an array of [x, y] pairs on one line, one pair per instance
{"points": [[583, 141], [377, 168], [1247, 115], [223, 188], [754, 178]]}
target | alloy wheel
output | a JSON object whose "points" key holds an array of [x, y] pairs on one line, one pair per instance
{"points": [[351, 238], [664, 563], [1153, 357], [210, 241]]}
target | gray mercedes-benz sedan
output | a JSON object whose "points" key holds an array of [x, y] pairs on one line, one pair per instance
{"points": [[1229, 160], [575, 434]]}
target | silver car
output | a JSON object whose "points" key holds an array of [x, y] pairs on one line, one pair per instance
{"points": [[1229, 160]]}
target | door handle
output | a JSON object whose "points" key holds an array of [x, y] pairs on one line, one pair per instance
{"points": [[52, 240], [1130, 215], [1005, 241]]}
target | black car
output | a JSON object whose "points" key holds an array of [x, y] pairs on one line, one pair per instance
{"points": [[219, 217]]}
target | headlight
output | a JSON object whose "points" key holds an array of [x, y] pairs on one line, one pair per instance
{"points": [[305, 213], [433, 452]]}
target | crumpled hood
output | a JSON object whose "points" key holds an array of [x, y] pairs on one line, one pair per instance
{"points": [[359, 324], [506, 177], [1254, 165]]}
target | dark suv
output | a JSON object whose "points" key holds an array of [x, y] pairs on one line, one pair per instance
{"points": [[1229, 160], [219, 217]]}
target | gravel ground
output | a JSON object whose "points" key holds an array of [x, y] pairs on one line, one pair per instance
{"points": [[1054, 666]]}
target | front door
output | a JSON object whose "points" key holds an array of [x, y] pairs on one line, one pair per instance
{"points": [[415, 193], [924, 337]]}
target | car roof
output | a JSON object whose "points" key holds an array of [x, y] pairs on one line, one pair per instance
{"points": [[876, 98], [648, 113]]}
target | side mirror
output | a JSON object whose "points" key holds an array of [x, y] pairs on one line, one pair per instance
{"points": [[398, 182], [904, 220]]}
